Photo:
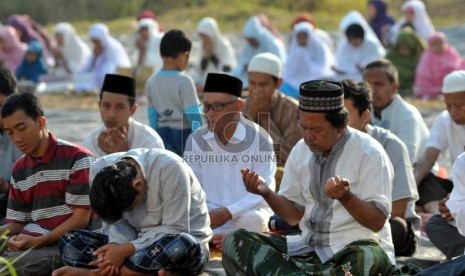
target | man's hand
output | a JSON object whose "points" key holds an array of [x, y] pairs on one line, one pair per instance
{"points": [[445, 213], [258, 103], [113, 140], [4, 186], [337, 188], [23, 242], [219, 216], [140, 44], [254, 183], [115, 253]]}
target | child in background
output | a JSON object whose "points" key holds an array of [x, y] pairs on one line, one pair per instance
{"points": [[435, 63], [33, 64], [173, 107], [405, 55]]}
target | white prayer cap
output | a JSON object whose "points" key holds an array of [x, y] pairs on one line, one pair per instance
{"points": [[454, 82], [266, 63]]}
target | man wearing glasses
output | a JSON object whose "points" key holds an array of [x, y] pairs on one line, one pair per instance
{"points": [[217, 152]]}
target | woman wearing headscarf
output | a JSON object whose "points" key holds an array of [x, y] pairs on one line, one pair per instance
{"points": [[150, 15], [307, 17], [108, 55], [435, 63], [261, 37], [414, 15], [309, 58], [216, 52], [33, 64], [379, 20], [357, 47], [27, 33], [147, 43], [12, 50], [405, 54], [71, 52]]}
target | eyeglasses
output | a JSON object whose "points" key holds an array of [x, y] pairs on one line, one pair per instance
{"points": [[216, 106]]}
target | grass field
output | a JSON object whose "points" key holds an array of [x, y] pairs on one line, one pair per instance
{"points": [[231, 15]]}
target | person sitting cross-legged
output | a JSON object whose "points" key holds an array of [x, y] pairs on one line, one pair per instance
{"points": [[155, 219], [328, 189]]}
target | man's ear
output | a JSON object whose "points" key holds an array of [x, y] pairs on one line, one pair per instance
{"points": [[134, 108], [366, 116], [138, 185], [41, 120], [395, 85], [240, 104]]}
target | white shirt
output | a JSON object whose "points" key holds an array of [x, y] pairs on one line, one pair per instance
{"points": [[365, 164], [403, 184], [139, 136], [174, 201], [406, 122], [218, 167], [446, 134], [456, 202]]}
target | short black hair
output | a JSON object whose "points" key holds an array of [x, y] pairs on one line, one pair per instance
{"points": [[22, 101], [7, 82], [174, 42], [112, 192], [387, 66], [338, 119], [359, 93], [355, 31]]}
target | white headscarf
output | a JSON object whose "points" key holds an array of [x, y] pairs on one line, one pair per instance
{"points": [[153, 57], [222, 47], [311, 62], [114, 55], [112, 48], [421, 22], [74, 50], [268, 42], [348, 56]]}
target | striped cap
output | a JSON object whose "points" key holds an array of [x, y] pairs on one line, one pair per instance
{"points": [[321, 96]]}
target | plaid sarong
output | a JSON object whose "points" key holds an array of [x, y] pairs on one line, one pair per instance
{"points": [[180, 253], [249, 253]]}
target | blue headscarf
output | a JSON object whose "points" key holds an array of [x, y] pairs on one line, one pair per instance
{"points": [[32, 70]]}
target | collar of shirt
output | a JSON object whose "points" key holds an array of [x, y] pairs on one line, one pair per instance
{"points": [[49, 154]]}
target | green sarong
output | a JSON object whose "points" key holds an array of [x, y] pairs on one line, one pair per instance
{"points": [[249, 253]]}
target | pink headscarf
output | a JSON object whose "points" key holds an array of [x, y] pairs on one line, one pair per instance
{"points": [[151, 15], [433, 67], [12, 50]]}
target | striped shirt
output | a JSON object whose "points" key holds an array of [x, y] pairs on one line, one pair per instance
{"points": [[44, 192]]}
